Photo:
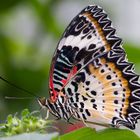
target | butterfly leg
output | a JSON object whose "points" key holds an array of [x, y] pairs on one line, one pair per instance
{"points": [[47, 114]]}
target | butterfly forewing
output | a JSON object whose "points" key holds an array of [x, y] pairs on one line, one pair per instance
{"points": [[88, 36]]}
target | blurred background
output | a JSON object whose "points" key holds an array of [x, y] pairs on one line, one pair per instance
{"points": [[29, 33]]}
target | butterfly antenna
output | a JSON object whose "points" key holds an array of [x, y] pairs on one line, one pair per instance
{"points": [[19, 88], [11, 97]]}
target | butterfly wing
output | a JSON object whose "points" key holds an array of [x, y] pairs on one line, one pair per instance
{"points": [[107, 93], [90, 69], [104, 87], [88, 36]]}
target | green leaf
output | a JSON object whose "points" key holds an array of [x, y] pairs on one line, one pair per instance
{"points": [[108, 134], [133, 52]]}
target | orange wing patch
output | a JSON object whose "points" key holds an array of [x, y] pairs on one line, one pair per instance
{"points": [[99, 30], [114, 86]]}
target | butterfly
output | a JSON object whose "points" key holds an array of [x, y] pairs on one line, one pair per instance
{"points": [[90, 77]]}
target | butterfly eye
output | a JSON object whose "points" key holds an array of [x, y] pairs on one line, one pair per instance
{"points": [[42, 101]]}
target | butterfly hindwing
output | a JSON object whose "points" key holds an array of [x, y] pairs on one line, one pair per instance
{"points": [[106, 93]]}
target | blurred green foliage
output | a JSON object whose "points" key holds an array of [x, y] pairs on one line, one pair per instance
{"points": [[26, 62], [5, 6]]}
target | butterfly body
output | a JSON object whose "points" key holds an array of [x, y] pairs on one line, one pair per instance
{"points": [[90, 78]]}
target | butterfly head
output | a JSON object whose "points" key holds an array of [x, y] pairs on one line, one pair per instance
{"points": [[42, 101]]}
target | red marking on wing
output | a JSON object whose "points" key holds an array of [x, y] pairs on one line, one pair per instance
{"points": [[73, 71], [64, 81], [55, 93]]}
